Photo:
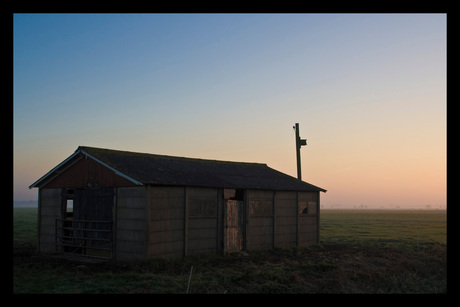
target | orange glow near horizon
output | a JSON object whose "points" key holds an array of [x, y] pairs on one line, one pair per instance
{"points": [[368, 90]]}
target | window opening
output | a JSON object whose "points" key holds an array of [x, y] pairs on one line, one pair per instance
{"points": [[69, 209], [307, 207], [234, 194], [239, 195], [69, 205]]}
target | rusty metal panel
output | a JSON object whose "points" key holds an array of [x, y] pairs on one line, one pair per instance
{"points": [[87, 173]]}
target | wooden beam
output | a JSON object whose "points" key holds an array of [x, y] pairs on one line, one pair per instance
{"points": [[297, 219], [186, 192], [220, 221], [274, 219], [247, 243], [317, 216]]}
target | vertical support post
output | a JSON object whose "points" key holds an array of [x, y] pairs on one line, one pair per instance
{"points": [[224, 226], [298, 143], [147, 220], [274, 219], [185, 220], [297, 148], [114, 223], [318, 218], [220, 221], [297, 221], [56, 236], [39, 219], [246, 240]]}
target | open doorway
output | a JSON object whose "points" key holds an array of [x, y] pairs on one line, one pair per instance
{"points": [[85, 226]]}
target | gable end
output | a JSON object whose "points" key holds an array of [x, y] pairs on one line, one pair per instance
{"points": [[86, 172]]}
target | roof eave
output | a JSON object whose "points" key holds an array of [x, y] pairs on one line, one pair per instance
{"points": [[38, 183]]}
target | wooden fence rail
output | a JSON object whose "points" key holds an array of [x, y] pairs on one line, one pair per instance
{"points": [[84, 237]]}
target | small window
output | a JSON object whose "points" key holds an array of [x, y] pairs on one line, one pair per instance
{"points": [[303, 207], [69, 208], [307, 207], [69, 204], [234, 194]]}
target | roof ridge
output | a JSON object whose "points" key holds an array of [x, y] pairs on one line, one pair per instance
{"points": [[154, 169], [83, 148]]}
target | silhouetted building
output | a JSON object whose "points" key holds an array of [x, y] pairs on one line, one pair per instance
{"points": [[128, 205]]}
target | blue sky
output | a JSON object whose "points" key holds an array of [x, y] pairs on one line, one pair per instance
{"points": [[367, 90]]}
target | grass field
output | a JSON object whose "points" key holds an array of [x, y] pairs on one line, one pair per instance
{"points": [[360, 252], [400, 227]]}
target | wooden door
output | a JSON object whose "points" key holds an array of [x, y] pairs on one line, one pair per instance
{"points": [[235, 223]]}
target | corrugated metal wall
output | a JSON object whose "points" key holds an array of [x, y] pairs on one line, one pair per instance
{"points": [[177, 221], [309, 222], [166, 221], [182, 221], [274, 219], [286, 219], [49, 210], [260, 220], [131, 223], [185, 221]]}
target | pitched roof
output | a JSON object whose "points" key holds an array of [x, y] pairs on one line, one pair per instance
{"points": [[151, 169]]}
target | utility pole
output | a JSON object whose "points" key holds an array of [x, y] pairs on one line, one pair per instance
{"points": [[298, 143]]}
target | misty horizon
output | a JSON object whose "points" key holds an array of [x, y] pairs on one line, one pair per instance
{"points": [[369, 92], [34, 204]]}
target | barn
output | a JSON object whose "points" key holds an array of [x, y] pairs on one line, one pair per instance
{"points": [[128, 205]]}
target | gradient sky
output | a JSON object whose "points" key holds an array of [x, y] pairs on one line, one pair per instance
{"points": [[368, 90]]}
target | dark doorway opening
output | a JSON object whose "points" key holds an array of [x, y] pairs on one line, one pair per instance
{"points": [[86, 224]]}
